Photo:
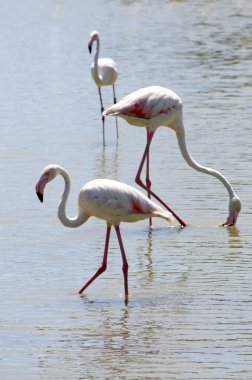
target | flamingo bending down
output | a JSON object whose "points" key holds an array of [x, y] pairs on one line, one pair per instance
{"points": [[155, 106], [104, 73], [105, 199]]}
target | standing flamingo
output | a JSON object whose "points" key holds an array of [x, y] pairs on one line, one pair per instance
{"points": [[155, 106], [104, 73], [105, 199]]}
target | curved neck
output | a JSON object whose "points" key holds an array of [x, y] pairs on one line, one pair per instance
{"points": [[80, 218], [188, 158], [96, 58]]}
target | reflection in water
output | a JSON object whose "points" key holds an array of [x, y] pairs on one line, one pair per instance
{"points": [[189, 315], [118, 332], [156, 241], [148, 256], [234, 237], [106, 162], [235, 243], [144, 250], [119, 344]]}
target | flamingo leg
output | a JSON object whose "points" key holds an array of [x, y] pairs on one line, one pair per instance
{"points": [[103, 266], [125, 263], [140, 182], [148, 181], [114, 98], [103, 117]]}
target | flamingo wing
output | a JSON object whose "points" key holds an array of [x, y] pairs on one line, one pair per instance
{"points": [[145, 103], [116, 201], [107, 71]]}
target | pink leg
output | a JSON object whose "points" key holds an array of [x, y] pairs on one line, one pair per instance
{"points": [[103, 267], [148, 182], [140, 182], [125, 263]]}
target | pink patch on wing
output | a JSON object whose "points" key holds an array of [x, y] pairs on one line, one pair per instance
{"points": [[141, 110], [136, 209], [137, 110]]}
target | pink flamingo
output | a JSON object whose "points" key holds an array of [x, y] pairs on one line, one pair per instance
{"points": [[155, 106], [105, 199], [104, 73]]}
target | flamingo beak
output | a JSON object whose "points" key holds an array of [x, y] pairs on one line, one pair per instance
{"points": [[231, 219], [40, 196], [90, 48], [40, 186]]}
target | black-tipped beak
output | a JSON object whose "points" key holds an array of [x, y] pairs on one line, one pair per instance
{"points": [[90, 48], [40, 197]]}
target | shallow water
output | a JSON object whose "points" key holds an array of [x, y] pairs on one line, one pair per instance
{"points": [[190, 311]]}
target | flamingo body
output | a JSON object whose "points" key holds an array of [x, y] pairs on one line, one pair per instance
{"points": [[107, 73], [155, 106], [149, 107], [104, 73], [117, 202], [112, 201]]}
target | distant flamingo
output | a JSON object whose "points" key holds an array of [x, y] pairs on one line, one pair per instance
{"points": [[105, 199], [155, 106], [104, 73]]}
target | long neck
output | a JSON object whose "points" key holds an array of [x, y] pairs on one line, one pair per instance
{"points": [[188, 158], [80, 218], [96, 57]]}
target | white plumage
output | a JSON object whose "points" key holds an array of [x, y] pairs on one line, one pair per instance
{"points": [[155, 106], [104, 73], [112, 201], [117, 202], [148, 107]]}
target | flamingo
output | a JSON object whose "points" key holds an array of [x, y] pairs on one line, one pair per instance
{"points": [[112, 201], [104, 73], [155, 106]]}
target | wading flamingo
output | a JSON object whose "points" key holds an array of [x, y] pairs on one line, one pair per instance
{"points": [[104, 73], [105, 199], [155, 106]]}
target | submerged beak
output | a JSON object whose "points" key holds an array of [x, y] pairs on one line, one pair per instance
{"points": [[41, 186], [231, 219]]}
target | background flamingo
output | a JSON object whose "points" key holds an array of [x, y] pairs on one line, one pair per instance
{"points": [[104, 73], [105, 199], [155, 106]]}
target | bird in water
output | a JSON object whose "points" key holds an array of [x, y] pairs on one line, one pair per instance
{"points": [[104, 73], [155, 106], [112, 201]]}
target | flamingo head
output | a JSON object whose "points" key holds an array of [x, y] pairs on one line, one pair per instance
{"points": [[49, 173], [94, 36], [234, 210]]}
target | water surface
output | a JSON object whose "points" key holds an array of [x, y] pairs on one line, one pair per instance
{"points": [[190, 309]]}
